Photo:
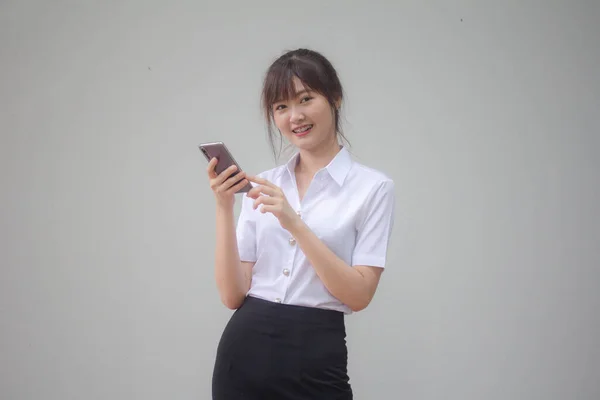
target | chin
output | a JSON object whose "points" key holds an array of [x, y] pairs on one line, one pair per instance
{"points": [[309, 142], [306, 143]]}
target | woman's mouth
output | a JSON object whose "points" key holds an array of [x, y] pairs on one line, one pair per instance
{"points": [[303, 130]]}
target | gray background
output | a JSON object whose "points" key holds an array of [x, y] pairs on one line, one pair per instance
{"points": [[485, 115]]}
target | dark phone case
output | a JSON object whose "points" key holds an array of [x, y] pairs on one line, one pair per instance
{"points": [[219, 151]]}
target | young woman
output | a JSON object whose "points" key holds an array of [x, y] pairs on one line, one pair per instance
{"points": [[309, 247]]}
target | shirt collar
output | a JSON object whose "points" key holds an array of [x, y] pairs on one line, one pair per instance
{"points": [[338, 168]]}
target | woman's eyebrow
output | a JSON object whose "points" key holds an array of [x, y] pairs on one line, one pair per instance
{"points": [[297, 94]]}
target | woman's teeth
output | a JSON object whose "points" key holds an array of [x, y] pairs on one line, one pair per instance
{"points": [[303, 129]]}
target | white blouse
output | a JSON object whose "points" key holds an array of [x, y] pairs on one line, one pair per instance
{"points": [[349, 206]]}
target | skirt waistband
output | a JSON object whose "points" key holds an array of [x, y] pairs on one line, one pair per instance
{"points": [[293, 313]]}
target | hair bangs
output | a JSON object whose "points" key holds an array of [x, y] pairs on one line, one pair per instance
{"points": [[279, 82], [279, 85]]}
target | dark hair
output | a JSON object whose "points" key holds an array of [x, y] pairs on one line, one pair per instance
{"points": [[314, 71]]}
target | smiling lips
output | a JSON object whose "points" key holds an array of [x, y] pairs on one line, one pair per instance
{"points": [[303, 130]]}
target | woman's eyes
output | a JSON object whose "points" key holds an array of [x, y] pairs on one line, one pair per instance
{"points": [[303, 100]]}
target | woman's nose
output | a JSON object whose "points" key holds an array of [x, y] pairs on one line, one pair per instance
{"points": [[296, 116]]}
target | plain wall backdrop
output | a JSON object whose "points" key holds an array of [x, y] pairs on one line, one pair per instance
{"points": [[485, 114]]}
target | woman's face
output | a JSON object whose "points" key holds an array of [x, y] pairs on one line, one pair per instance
{"points": [[306, 120]]}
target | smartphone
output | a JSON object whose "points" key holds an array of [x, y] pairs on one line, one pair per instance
{"points": [[224, 158]]}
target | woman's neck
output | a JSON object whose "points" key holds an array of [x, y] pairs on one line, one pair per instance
{"points": [[312, 161]]}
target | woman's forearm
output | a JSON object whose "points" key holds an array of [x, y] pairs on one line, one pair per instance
{"points": [[232, 283], [344, 282]]}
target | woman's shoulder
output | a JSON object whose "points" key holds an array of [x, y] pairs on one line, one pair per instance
{"points": [[370, 176], [374, 187]]}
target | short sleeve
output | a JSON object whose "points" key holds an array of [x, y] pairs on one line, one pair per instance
{"points": [[374, 226], [246, 231]]}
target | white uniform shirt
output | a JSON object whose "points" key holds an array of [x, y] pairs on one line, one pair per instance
{"points": [[349, 206]]}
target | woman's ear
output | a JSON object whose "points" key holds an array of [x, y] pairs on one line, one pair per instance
{"points": [[338, 104]]}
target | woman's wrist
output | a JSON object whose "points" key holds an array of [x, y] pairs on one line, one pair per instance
{"points": [[296, 226], [224, 207]]}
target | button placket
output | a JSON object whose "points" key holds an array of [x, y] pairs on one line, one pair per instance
{"points": [[291, 240], [287, 271]]}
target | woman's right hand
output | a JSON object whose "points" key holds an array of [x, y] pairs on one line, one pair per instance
{"points": [[223, 185]]}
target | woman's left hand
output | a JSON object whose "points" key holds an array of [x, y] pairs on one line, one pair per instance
{"points": [[274, 201]]}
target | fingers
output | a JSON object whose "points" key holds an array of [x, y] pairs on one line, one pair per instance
{"points": [[212, 174], [218, 180], [261, 181], [232, 181], [257, 190], [238, 186], [266, 200], [254, 192], [268, 208]]}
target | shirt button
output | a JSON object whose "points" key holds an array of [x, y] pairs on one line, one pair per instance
{"points": [[286, 272], [292, 241], [277, 300]]}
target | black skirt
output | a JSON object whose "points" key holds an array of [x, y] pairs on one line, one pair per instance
{"points": [[280, 352]]}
